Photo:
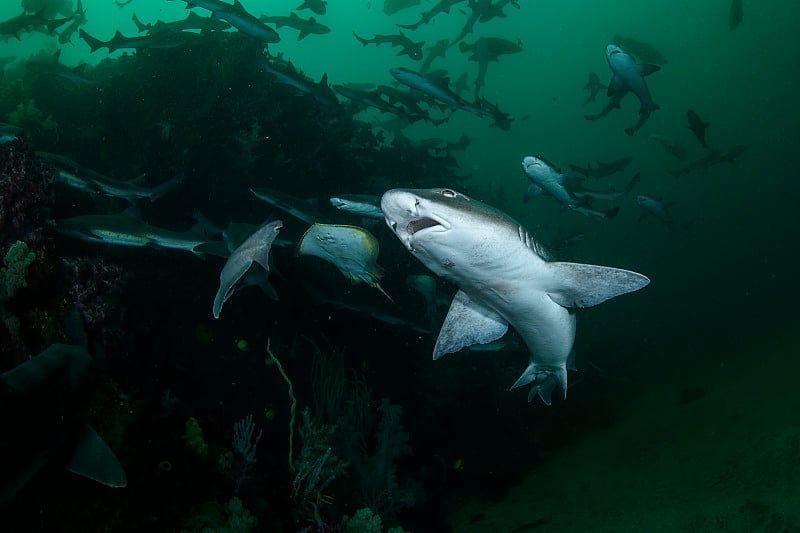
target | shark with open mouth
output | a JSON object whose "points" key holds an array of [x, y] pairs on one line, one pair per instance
{"points": [[504, 278]]}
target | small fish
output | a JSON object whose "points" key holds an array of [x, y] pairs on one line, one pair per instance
{"points": [[254, 249], [352, 250], [698, 127]]}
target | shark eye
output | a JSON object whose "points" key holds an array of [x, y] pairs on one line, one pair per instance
{"points": [[416, 202], [447, 193]]}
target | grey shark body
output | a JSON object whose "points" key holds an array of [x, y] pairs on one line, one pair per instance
{"points": [[504, 278], [436, 88], [44, 405], [255, 249], [629, 76], [364, 205], [306, 27], [546, 179], [127, 229], [237, 16]]}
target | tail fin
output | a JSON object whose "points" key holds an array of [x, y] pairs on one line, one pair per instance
{"points": [[140, 25], [94, 43], [543, 380]]}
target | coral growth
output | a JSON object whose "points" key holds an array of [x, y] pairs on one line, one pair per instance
{"points": [[94, 285], [13, 274], [25, 197]]}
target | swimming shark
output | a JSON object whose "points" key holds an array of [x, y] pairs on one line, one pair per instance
{"points": [[255, 249], [237, 16], [629, 76], [306, 27], [128, 229], [436, 88], [43, 411], [407, 47], [504, 278]]}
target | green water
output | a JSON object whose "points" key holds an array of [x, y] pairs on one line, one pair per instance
{"points": [[720, 314]]}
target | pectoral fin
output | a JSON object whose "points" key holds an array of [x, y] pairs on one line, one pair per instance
{"points": [[93, 459], [468, 322], [579, 285]]}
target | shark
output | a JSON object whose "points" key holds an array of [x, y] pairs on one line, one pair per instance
{"points": [[288, 75], [128, 229], [161, 40], [29, 22], [306, 27], [43, 412], [364, 205], [408, 47], [52, 66], [436, 88], [504, 278], [628, 76], [255, 249], [237, 16]]}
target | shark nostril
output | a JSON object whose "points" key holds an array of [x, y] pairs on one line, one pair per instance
{"points": [[394, 226]]}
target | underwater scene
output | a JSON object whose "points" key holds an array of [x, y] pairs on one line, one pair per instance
{"points": [[399, 265]]}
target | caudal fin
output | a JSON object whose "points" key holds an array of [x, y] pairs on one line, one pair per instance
{"points": [[94, 43], [543, 381]]}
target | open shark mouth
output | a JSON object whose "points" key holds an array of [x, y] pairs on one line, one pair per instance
{"points": [[419, 224]]}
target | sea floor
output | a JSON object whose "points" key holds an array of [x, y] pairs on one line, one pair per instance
{"points": [[724, 456]]}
